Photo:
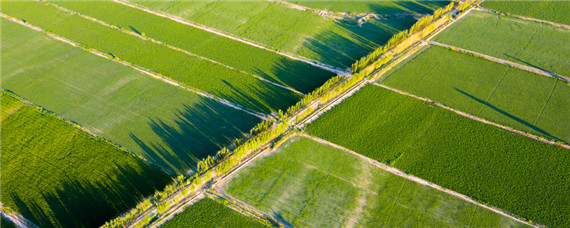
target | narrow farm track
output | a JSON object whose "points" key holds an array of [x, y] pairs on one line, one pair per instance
{"points": [[505, 62], [16, 218], [420, 181], [240, 39], [170, 46], [140, 69], [474, 117], [527, 18]]}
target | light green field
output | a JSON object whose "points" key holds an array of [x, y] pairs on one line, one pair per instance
{"points": [[168, 126], [525, 101], [378, 7], [287, 29], [549, 10], [530, 43], [55, 175], [308, 184]]}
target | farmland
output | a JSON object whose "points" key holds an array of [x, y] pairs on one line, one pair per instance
{"points": [[526, 101], [6, 223], [56, 175], [555, 11], [308, 184], [164, 124], [530, 43], [269, 65], [209, 213], [515, 173], [377, 7], [285, 29], [191, 71]]}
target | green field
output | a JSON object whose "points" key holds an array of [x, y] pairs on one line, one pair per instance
{"points": [[55, 175], [525, 101], [377, 7], [555, 11], [269, 65], [534, 44], [308, 184], [5, 223], [515, 173], [286, 29], [166, 125], [191, 71], [209, 213]]}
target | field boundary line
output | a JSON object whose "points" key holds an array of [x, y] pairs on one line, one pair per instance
{"points": [[233, 37], [475, 117], [502, 61], [169, 46], [140, 69], [494, 90], [546, 103], [420, 180], [17, 219], [482, 9]]}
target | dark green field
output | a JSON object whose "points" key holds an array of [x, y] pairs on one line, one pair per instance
{"points": [[555, 11], [5, 223], [378, 7], [209, 213], [55, 175], [512, 172]]}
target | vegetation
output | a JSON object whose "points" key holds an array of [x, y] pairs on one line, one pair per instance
{"points": [[269, 65], [534, 44], [525, 101], [515, 173], [377, 7], [555, 11], [190, 71], [56, 175], [308, 184], [164, 124], [5, 223], [209, 213]]}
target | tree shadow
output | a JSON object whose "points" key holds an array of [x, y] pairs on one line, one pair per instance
{"points": [[519, 120], [525, 63], [79, 203], [196, 132]]}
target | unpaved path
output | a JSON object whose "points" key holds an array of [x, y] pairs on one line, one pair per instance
{"points": [[505, 62], [527, 18], [16, 218], [252, 43], [140, 69]]}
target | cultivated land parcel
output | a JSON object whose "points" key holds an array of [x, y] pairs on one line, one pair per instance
{"points": [[555, 11]]}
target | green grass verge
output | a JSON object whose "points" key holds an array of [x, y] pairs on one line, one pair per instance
{"points": [[515, 173], [191, 71], [530, 43], [555, 11], [286, 29], [56, 175], [164, 124], [269, 65], [308, 184], [377, 7], [525, 101], [209, 213]]}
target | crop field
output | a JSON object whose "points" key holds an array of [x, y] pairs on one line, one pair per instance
{"points": [[530, 43], [377, 7], [308, 184], [191, 71], [509, 96], [6, 223], [55, 175], [555, 11], [515, 173], [285, 29], [269, 65], [166, 125], [209, 213]]}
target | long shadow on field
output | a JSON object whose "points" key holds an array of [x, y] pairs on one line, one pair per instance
{"points": [[78, 203], [525, 63], [196, 132], [535, 128]]}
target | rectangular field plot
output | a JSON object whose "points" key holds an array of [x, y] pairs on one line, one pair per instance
{"points": [[308, 184], [555, 11], [377, 7], [512, 97], [269, 65], [191, 71], [55, 175], [166, 125], [530, 43], [285, 29], [518, 174], [209, 213]]}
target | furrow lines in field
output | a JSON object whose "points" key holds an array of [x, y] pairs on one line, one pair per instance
{"points": [[142, 70], [395, 202], [476, 118], [546, 103], [171, 47], [495, 89], [240, 39]]}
